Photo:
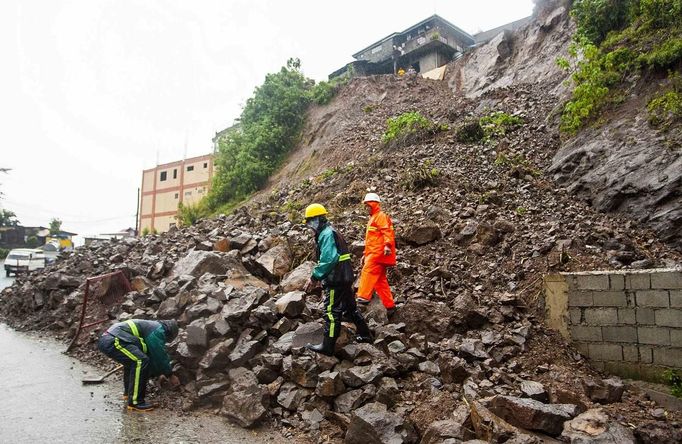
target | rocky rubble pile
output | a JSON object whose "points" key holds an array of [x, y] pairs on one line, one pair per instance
{"points": [[237, 293], [466, 355]]}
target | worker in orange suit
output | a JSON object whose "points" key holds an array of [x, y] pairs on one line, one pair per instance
{"points": [[379, 254]]}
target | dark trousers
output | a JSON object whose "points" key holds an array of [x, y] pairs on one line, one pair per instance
{"points": [[135, 366], [337, 302]]}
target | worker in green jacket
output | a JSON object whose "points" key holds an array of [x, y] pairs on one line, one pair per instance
{"points": [[335, 273], [140, 345]]}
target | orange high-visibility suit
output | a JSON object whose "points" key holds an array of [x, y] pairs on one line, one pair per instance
{"points": [[373, 276]]}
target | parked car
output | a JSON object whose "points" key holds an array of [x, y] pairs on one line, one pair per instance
{"points": [[21, 260]]}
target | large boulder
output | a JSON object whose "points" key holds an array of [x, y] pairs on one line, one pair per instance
{"points": [[196, 263], [533, 415], [374, 424], [604, 391], [245, 404], [276, 262], [217, 357], [595, 427], [298, 277], [422, 234], [241, 303], [291, 304], [309, 333]]}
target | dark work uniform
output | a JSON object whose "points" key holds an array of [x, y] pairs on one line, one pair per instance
{"points": [[335, 272], [140, 346]]}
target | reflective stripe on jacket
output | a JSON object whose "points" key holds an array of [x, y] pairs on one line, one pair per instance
{"points": [[379, 234]]}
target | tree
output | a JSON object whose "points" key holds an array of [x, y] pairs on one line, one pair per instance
{"points": [[55, 226], [8, 219], [269, 127]]}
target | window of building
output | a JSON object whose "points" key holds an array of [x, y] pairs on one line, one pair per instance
{"points": [[175, 173], [190, 168], [163, 176], [177, 195], [200, 190], [188, 193], [205, 164]]}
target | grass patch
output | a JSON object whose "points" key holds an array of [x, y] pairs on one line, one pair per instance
{"points": [[425, 175], [409, 127]]}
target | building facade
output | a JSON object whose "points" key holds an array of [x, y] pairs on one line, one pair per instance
{"points": [[424, 47], [167, 185]]}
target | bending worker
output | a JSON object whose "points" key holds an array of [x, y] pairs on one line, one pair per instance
{"points": [[140, 346], [379, 254], [335, 272]]}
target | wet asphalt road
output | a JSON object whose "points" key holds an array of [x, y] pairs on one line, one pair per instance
{"points": [[43, 401]]}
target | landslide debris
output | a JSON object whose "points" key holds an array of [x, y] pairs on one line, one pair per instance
{"points": [[466, 351]]}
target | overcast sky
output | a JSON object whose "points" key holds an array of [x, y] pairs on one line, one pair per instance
{"points": [[94, 91]]}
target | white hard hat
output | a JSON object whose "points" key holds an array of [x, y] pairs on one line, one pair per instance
{"points": [[371, 197]]}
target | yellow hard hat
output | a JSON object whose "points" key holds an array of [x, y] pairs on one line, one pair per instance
{"points": [[314, 210]]}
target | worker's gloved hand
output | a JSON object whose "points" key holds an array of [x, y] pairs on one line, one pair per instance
{"points": [[387, 250]]}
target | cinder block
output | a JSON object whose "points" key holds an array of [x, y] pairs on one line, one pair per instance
{"points": [[575, 315], [609, 299], [654, 335], [620, 334], [676, 338], [676, 298], [666, 279], [646, 355], [653, 298], [605, 352], [672, 357], [593, 282], [645, 316], [582, 348], [580, 299], [617, 281], [586, 333], [638, 281], [668, 318], [630, 353], [601, 316], [626, 316]]}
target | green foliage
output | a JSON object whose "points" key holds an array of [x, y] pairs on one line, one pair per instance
{"points": [[616, 40], [146, 231], [409, 127], [498, 124], [270, 124], [368, 109], [189, 214], [3, 253], [666, 108], [596, 18], [521, 211], [326, 174], [423, 176], [673, 378], [323, 92], [55, 226], [293, 210], [8, 219], [32, 242]]}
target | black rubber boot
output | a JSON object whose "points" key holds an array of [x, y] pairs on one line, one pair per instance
{"points": [[326, 347]]}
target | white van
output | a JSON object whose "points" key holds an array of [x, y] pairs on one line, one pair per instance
{"points": [[21, 260]]}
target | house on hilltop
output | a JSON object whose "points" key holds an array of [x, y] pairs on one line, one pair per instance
{"points": [[426, 46]]}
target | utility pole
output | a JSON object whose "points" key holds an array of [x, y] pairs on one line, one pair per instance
{"points": [[137, 213]]}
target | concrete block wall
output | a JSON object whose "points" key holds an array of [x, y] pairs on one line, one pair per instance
{"points": [[626, 322]]}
